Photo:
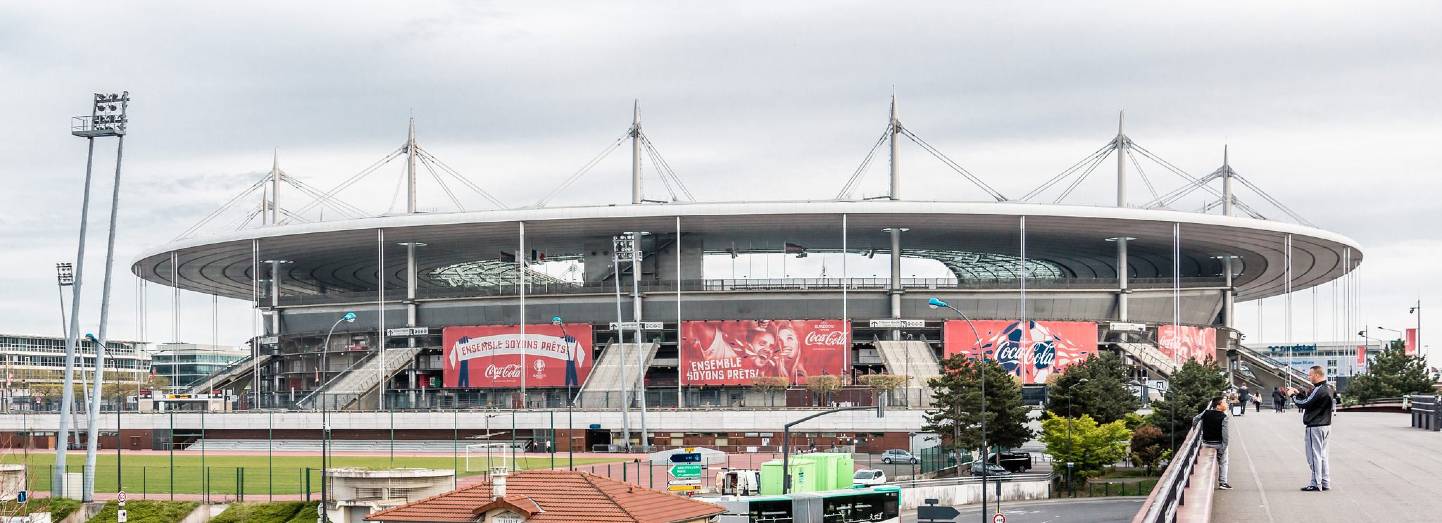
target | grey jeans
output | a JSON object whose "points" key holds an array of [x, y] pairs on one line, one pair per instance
{"points": [[1317, 456], [1222, 460]]}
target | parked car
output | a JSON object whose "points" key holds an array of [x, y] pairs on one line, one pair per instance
{"points": [[1013, 461], [989, 469], [897, 456], [868, 478]]}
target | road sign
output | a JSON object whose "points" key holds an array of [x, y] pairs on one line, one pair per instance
{"points": [[120, 497], [686, 457], [408, 331], [121, 516], [633, 325], [683, 488], [936, 513], [685, 471], [896, 324], [998, 518], [22, 496]]}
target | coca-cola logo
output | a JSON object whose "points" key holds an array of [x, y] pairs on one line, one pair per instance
{"points": [[512, 371], [826, 338]]}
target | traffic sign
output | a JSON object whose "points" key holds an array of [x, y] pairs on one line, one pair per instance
{"points": [[998, 518], [936, 513], [686, 457], [686, 471], [408, 331], [683, 488], [120, 497], [896, 324], [634, 325], [121, 516], [22, 496]]}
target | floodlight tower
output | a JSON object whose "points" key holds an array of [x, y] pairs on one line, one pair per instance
{"points": [[107, 118]]}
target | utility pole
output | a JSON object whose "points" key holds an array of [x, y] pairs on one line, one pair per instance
{"points": [[1121, 150]]}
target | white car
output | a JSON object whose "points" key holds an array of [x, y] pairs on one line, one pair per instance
{"points": [[868, 478]]}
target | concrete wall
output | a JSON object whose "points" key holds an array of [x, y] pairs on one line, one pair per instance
{"points": [[967, 494]]}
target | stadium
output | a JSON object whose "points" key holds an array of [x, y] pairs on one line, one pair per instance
{"points": [[544, 307]]}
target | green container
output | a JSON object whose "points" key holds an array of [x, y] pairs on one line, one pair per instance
{"points": [[804, 476], [835, 470]]}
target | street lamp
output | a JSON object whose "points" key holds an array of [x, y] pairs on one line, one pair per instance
{"points": [[1417, 309], [936, 303], [348, 317], [570, 399]]}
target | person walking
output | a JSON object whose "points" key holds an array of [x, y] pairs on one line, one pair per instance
{"points": [[1279, 400], [1245, 396], [1215, 435], [1316, 405]]}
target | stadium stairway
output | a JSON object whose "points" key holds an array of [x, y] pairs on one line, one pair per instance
{"points": [[604, 385], [359, 382], [1147, 355], [235, 376], [913, 358]]}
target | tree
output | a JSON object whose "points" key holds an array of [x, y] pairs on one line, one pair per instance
{"points": [[1148, 444], [768, 385], [822, 386], [956, 399], [1390, 374], [1188, 392], [884, 383], [1104, 396], [1091, 446]]}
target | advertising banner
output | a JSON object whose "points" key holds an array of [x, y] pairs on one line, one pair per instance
{"points": [[489, 357], [735, 352], [1185, 342], [1032, 353], [1361, 356], [1411, 344]]}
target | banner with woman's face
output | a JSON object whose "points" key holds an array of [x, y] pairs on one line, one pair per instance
{"points": [[736, 352]]}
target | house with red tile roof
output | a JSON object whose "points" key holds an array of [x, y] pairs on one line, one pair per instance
{"points": [[551, 496]]}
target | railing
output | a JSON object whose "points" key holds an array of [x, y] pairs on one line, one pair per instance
{"points": [[334, 379], [1161, 505], [331, 296]]}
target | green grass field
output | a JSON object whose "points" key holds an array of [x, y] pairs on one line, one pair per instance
{"points": [[150, 474]]}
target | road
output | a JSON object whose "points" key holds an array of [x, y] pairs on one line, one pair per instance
{"points": [[1382, 470], [1092, 510]]}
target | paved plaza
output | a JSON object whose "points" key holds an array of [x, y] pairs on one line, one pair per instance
{"points": [[1382, 470]]}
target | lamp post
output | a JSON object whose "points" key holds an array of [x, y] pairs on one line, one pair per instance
{"points": [[1417, 309], [571, 364], [935, 303], [1068, 424], [348, 317]]}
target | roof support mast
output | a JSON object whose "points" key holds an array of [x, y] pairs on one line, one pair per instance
{"points": [[274, 188], [1121, 150], [895, 194], [1230, 296]]}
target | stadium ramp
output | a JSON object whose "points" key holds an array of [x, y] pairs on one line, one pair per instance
{"points": [[913, 358], [236, 376], [361, 381], [615, 366]]}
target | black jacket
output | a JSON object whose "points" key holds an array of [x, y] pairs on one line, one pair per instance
{"points": [[1214, 426], [1316, 405]]}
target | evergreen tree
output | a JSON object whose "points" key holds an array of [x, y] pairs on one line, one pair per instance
{"points": [[1390, 374], [1188, 392], [956, 400], [1103, 396]]}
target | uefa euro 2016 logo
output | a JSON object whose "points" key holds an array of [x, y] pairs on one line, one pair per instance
{"points": [[540, 366]]}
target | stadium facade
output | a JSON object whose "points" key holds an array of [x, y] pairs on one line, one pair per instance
{"points": [[531, 306]]}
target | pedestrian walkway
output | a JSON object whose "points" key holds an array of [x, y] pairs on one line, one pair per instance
{"points": [[1382, 470]]}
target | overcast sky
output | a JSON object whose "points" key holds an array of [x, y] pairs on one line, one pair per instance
{"points": [[1332, 108]]}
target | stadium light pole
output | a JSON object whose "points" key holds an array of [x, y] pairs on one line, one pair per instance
{"points": [[936, 303], [348, 317], [107, 118]]}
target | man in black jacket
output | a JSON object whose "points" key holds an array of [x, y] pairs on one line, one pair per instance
{"points": [[1316, 405], [1215, 435]]}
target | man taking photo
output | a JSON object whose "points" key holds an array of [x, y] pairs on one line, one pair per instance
{"points": [[1316, 405], [1215, 435]]}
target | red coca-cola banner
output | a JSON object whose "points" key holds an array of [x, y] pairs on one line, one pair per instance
{"points": [[735, 352], [489, 357], [1185, 342], [1032, 353], [1410, 346]]}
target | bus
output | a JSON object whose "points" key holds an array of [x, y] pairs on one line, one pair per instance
{"points": [[859, 505]]}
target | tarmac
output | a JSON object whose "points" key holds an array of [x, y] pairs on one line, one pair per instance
{"points": [[1382, 470]]}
